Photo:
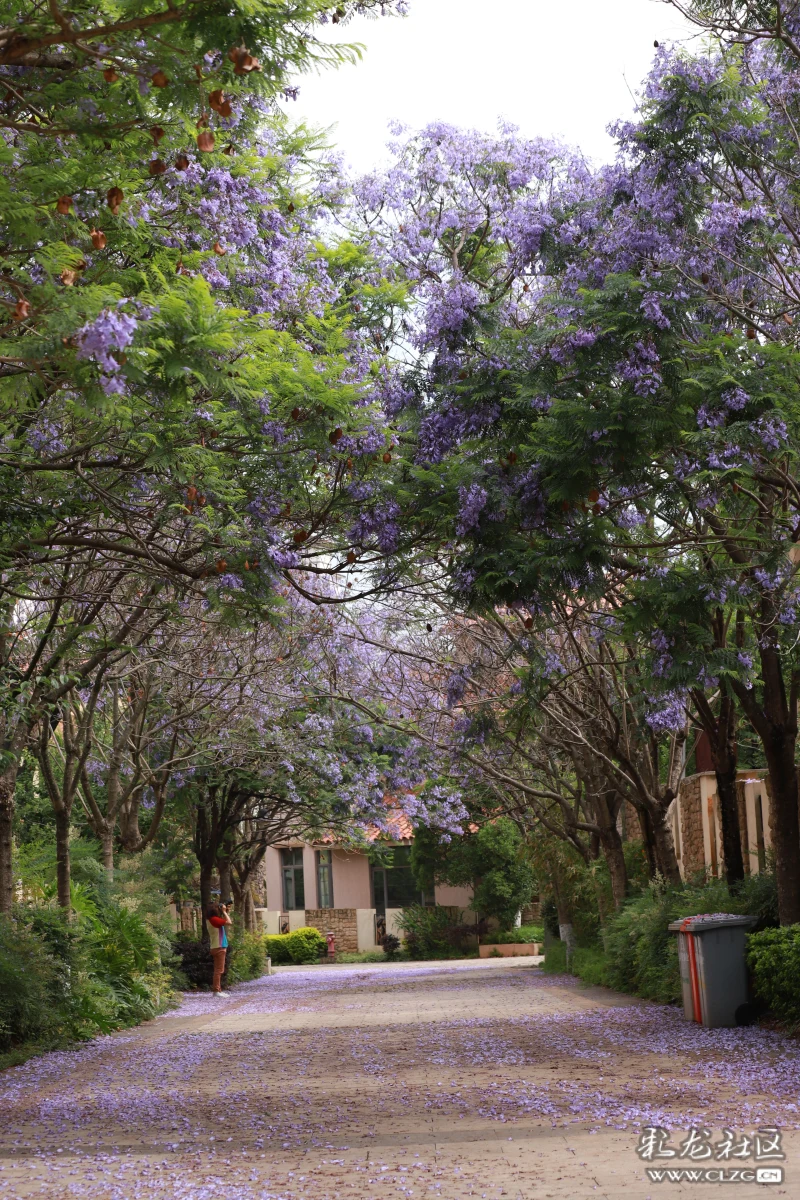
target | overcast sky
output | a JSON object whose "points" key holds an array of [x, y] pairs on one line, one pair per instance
{"points": [[552, 67]]}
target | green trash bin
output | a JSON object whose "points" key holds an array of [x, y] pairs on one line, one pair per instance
{"points": [[712, 966]]}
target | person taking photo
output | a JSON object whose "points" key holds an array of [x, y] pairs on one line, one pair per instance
{"points": [[217, 922]]}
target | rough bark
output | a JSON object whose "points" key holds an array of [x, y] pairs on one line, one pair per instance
{"points": [[8, 781], [613, 852], [785, 827], [107, 847], [665, 850], [720, 729], [206, 873], [62, 858]]}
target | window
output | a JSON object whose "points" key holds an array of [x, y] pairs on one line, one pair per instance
{"points": [[393, 886], [324, 879], [294, 895]]}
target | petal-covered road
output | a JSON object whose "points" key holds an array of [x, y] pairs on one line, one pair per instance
{"points": [[475, 1078]]}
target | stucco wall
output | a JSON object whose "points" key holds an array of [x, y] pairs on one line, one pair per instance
{"points": [[351, 886], [452, 897]]}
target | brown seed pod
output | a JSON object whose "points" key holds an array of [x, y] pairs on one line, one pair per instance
{"points": [[333, 437], [229, 149], [788, 318], [351, 556], [597, 510], [159, 79], [387, 458], [157, 166], [705, 277], [225, 109], [290, 207], [295, 414], [429, 627], [110, 75], [512, 456], [68, 277], [219, 248], [114, 198], [64, 204], [349, 464], [181, 162], [99, 239], [156, 133], [22, 310], [594, 496], [221, 565], [751, 333], [529, 622], [205, 141], [300, 535], [216, 98]]}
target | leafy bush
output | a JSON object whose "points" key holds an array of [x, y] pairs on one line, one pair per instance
{"points": [[391, 945], [773, 956], [515, 937], [247, 957], [196, 963], [643, 955], [304, 945], [277, 945], [589, 965], [33, 987], [431, 932]]}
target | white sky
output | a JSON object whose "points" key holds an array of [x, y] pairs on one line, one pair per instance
{"points": [[553, 67]]}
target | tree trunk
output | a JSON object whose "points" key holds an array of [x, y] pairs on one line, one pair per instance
{"points": [[729, 818], [721, 734], [107, 845], [785, 826], [614, 854], [206, 872], [665, 851], [649, 841], [224, 868], [249, 911], [62, 858], [8, 781]]}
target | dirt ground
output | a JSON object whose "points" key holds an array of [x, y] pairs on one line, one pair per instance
{"points": [[476, 1078]]}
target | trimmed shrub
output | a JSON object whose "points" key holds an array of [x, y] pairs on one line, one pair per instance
{"points": [[773, 956], [304, 945], [277, 945]]}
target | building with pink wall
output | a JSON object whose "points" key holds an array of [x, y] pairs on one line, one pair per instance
{"points": [[328, 881]]}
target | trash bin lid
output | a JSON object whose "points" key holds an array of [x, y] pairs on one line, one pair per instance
{"points": [[705, 922]]}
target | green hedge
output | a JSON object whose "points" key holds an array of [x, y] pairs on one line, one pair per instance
{"points": [[773, 956], [304, 945], [522, 934], [640, 955]]}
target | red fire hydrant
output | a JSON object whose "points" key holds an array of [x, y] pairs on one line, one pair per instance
{"points": [[331, 939]]}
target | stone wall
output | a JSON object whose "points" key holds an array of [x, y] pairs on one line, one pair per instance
{"points": [[340, 921], [692, 849]]}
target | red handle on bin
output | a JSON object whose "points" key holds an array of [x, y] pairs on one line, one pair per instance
{"points": [[694, 978]]}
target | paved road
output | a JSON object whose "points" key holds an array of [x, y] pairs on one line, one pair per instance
{"points": [[482, 1079]]}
